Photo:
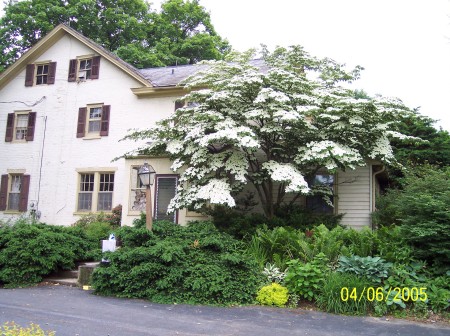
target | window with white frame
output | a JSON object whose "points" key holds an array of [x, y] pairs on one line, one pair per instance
{"points": [[20, 131], [137, 191], [14, 192], [41, 74], [93, 121], [95, 191]]}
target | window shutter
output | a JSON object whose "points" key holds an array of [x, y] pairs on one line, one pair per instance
{"points": [[31, 124], [29, 75], [9, 127], [81, 126], [95, 67], [23, 202], [51, 73], [179, 104], [3, 192], [104, 129], [72, 70]]}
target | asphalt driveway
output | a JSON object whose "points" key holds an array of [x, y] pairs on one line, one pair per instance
{"points": [[72, 311]]}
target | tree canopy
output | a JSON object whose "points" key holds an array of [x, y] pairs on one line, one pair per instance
{"points": [[181, 33], [272, 123]]}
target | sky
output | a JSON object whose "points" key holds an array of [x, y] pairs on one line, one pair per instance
{"points": [[404, 45]]}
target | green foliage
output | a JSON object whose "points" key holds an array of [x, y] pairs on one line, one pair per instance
{"points": [[244, 225], [279, 245], [306, 280], [273, 295], [30, 251], [193, 264], [434, 150], [331, 300], [273, 273], [374, 269], [421, 209], [391, 244], [180, 33], [13, 329], [439, 298]]}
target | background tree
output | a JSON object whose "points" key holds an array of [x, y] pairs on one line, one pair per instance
{"points": [[181, 33], [272, 123]]}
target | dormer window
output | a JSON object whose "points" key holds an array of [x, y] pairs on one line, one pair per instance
{"points": [[84, 68], [40, 73]]}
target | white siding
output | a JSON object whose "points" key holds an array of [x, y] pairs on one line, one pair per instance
{"points": [[354, 196]]}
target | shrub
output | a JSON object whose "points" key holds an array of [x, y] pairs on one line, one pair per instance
{"points": [[273, 273], [273, 295], [115, 218], [30, 251], [421, 209], [12, 329], [193, 264], [306, 280], [244, 225], [334, 295], [374, 269]]}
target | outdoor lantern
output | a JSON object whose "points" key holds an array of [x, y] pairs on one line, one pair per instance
{"points": [[147, 175]]}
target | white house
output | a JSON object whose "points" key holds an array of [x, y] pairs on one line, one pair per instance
{"points": [[64, 106]]}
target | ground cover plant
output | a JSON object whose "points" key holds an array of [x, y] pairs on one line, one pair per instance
{"points": [[13, 329], [29, 251], [193, 264]]}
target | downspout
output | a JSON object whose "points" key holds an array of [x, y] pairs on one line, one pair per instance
{"points": [[374, 194], [38, 214]]}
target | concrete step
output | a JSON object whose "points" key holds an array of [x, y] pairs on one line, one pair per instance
{"points": [[76, 277]]}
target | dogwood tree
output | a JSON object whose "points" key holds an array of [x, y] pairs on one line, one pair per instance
{"points": [[272, 123]]}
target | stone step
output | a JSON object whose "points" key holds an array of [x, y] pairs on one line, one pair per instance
{"points": [[79, 277]]}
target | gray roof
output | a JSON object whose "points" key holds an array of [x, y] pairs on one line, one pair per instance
{"points": [[170, 75], [173, 75]]}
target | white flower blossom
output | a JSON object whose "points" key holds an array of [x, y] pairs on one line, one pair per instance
{"points": [[287, 173]]}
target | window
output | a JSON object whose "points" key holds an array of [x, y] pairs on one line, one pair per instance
{"points": [[137, 192], [95, 191], [317, 203], [84, 68], [93, 120], [20, 126], [40, 74], [14, 190]]}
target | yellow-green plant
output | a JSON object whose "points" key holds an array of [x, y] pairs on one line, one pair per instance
{"points": [[13, 329], [273, 295]]}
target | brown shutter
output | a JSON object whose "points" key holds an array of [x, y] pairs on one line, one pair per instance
{"points": [[31, 124], [72, 70], [51, 73], [3, 192], [29, 75], [179, 104], [9, 127], [95, 69], [81, 126], [23, 202], [104, 128]]}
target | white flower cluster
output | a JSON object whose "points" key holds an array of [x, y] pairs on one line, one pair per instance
{"points": [[270, 94], [287, 173], [217, 192], [328, 151]]}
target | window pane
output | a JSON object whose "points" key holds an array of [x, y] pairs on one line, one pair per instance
{"points": [[84, 201], [166, 187], [106, 182], [104, 201], [87, 182], [95, 113], [13, 201], [317, 203], [16, 183], [94, 126]]}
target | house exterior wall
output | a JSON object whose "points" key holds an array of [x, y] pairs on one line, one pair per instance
{"points": [[55, 154], [354, 198]]}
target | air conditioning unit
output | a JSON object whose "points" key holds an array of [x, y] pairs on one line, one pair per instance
{"points": [[81, 75]]}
